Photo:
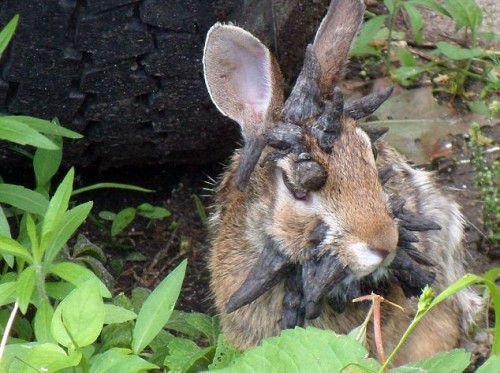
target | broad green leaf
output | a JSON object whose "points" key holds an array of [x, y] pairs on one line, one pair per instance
{"points": [[194, 325], [57, 207], [46, 163], [466, 13], [25, 287], [159, 345], [78, 275], [457, 53], [20, 133], [116, 315], [107, 215], [12, 247], [80, 315], [48, 357], [116, 335], [406, 58], [157, 309], [304, 350], [122, 220], [111, 186], [59, 290], [153, 212], [362, 45], [444, 362], [492, 365], [416, 21], [225, 354], [7, 292], [7, 33], [70, 222], [5, 231], [41, 322], [139, 296], [184, 356], [119, 360], [44, 126], [24, 199]]}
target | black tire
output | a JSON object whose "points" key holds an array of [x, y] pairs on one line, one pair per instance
{"points": [[127, 74]]}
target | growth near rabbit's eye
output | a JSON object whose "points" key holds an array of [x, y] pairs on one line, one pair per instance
{"points": [[316, 210]]}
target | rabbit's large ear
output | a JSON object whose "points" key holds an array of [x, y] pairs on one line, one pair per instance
{"points": [[334, 38], [244, 83]]}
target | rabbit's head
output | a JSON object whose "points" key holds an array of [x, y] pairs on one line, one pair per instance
{"points": [[318, 178]]}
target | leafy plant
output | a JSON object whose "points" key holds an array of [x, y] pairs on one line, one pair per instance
{"points": [[487, 180]]}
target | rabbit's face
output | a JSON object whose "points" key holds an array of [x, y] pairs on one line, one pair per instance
{"points": [[351, 207]]}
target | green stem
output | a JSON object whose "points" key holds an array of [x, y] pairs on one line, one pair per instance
{"points": [[40, 281], [392, 21]]}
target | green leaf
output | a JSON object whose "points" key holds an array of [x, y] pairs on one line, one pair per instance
{"points": [[184, 356], [5, 231], [41, 322], [225, 354], [24, 199], [406, 58], [200, 208], [479, 107], [122, 220], [111, 186], [194, 325], [304, 350], [444, 362], [46, 163], [59, 290], [465, 13], [139, 296], [78, 275], [20, 133], [79, 318], [7, 291], [389, 4], [107, 215], [119, 360], [153, 212], [156, 310], [35, 248], [7, 33], [57, 208], [44, 126], [12, 247], [25, 288], [361, 45], [116, 335], [457, 53], [115, 314], [431, 4], [69, 223], [416, 21], [49, 357], [492, 365]]}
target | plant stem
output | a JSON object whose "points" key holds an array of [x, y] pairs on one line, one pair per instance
{"points": [[8, 327], [40, 281], [392, 21]]}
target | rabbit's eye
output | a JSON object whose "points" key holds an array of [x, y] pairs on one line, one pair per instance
{"points": [[375, 152], [296, 193]]}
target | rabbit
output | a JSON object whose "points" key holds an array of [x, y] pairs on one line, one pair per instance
{"points": [[316, 210]]}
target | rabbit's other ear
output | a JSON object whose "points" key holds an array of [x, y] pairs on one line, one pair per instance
{"points": [[244, 83], [334, 38]]}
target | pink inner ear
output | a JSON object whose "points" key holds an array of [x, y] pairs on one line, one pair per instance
{"points": [[251, 75]]}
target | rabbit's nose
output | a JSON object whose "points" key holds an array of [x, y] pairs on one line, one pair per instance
{"points": [[383, 253]]}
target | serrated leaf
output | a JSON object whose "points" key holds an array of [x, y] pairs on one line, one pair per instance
{"points": [[7, 292], [22, 134], [77, 275], [457, 53], [12, 247], [46, 163], [304, 350], [157, 308], [7, 33], [122, 220], [492, 365], [57, 208], [80, 315], [465, 13], [23, 199], [41, 322], [444, 362], [119, 360], [25, 287], [361, 45], [225, 354], [184, 355], [416, 21], [115, 314], [69, 223]]}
